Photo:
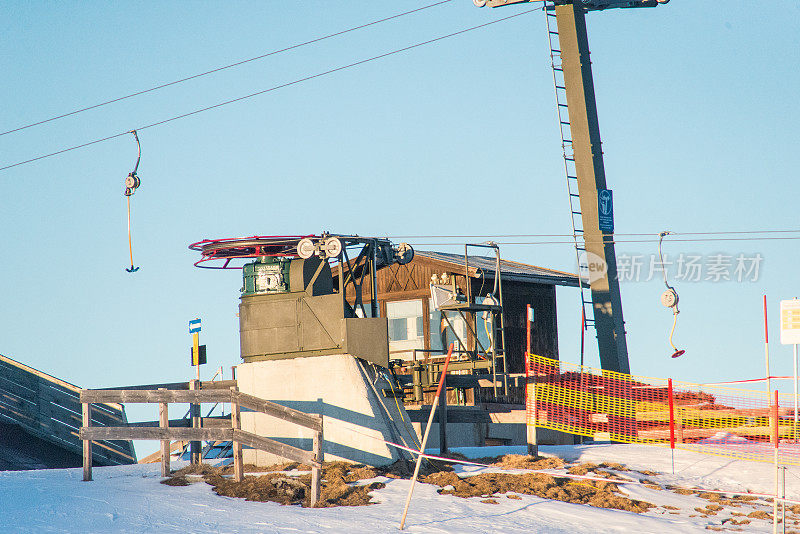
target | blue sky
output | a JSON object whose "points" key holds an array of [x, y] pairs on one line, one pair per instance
{"points": [[698, 113]]}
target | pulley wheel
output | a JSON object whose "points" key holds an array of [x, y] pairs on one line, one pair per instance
{"points": [[404, 253], [669, 298], [305, 248], [333, 247]]}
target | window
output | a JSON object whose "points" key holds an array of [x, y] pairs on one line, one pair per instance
{"points": [[406, 331]]}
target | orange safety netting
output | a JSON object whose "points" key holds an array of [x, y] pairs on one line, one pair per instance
{"points": [[605, 405]]}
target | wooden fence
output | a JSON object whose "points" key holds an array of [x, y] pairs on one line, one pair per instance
{"points": [[165, 433]]}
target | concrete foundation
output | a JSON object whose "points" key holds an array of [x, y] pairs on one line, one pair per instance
{"points": [[347, 392]]}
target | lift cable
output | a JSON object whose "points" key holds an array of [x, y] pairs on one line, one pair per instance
{"points": [[224, 67], [281, 86], [616, 241], [487, 236]]}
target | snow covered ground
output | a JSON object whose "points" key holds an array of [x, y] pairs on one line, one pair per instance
{"points": [[131, 499]]}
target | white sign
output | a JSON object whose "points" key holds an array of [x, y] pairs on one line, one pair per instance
{"points": [[790, 322]]}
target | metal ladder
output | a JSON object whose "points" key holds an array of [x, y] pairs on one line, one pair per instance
{"points": [[569, 164]]}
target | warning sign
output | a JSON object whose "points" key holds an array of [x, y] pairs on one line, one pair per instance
{"points": [[790, 322]]}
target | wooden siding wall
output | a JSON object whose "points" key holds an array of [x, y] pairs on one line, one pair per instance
{"points": [[411, 281], [544, 330]]}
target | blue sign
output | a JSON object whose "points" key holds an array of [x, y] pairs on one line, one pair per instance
{"points": [[194, 326], [605, 210]]}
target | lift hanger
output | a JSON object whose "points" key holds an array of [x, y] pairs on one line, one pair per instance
{"points": [[669, 298], [132, 183]]}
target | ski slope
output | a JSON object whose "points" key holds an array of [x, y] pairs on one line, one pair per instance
{"points": [[131, 499]]}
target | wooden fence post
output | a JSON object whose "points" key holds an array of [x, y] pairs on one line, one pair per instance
{"points": [[87, 443], [236, 423], [316, 472], [163, 422]]}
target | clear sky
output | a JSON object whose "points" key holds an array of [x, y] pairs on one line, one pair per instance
{"points": [[698, 112]]}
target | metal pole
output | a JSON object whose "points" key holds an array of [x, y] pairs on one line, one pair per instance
{"points": [[590, 177], [374, 279], [425, 437], [533, 438], [776, 439], [196, 352], [671, 424], [783, 496], [766, 347], [583, 333], [795, 394], [502, 323], [443, 416]]}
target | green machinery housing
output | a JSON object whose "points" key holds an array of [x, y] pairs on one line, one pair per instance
{"points": [[293, 306]]}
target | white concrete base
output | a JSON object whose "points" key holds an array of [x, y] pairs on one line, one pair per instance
{"points": [[356, 415]]}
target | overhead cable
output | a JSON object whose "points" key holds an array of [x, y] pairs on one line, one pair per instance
{"points": [[493, 236], [617, 241], [224, 67], [274, 88]]}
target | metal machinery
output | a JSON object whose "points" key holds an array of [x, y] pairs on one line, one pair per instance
{"points": [[447, 298], [291, 304], [583, 160]]}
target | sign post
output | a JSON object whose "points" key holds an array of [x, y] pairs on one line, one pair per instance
{"points": [[194, 329], [530, 387], [194, 446], [790, 335]]}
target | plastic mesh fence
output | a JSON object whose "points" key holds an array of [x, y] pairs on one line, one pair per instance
{"points": [[605, 405]]}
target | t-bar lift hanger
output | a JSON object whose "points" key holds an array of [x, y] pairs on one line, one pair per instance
{"points": [[132, 182], [669, 298]]}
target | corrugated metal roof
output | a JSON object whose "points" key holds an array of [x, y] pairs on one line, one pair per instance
{"points": [[510, 270]]}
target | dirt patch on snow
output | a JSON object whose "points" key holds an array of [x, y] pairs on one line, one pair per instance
{"points": [[339, 486], [598, 494], [601, 470], [515, 461], [342, 482]]}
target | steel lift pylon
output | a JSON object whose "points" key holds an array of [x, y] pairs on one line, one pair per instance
{"points": [[583, 161]]}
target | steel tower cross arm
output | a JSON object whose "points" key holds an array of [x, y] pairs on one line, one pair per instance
{"points": [[589, 5], [591, 177]]}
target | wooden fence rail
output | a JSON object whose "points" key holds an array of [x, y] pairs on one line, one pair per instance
{"points": [[166, 433]]}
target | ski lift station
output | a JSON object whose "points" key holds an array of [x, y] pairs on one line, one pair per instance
{"points": [[317, 335]]}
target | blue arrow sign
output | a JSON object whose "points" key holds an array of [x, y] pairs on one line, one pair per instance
{"points": [[194, 326]]}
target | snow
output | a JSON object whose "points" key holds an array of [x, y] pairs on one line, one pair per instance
{"points": [[131, 499], [724, 437]]}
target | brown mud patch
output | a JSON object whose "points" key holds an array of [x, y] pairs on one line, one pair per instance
{"points": [[601, 470], [598, 494], [339, 483], [515, 461]]}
